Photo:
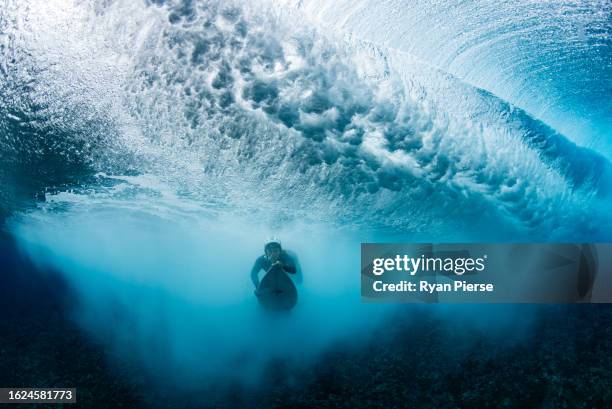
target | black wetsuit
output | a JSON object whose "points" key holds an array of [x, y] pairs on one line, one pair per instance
{"points": [[262, 263]]}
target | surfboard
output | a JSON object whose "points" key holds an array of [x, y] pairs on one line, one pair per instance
{"points": [[277, 291]]}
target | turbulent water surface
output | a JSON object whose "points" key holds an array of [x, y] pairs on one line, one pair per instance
{"points": [[149, 147]]}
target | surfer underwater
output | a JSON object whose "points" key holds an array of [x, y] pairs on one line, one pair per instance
{"points": [[276, 290]]}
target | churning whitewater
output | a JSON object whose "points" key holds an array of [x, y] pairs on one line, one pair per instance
{"points": [[165, 140]]}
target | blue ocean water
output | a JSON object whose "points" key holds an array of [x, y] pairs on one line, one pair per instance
{"points": [[150, 148]]}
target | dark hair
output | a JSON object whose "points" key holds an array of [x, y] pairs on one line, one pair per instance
{"points": [[271, 246]]}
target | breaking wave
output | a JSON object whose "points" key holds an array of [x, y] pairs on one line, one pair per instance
{"points": [[243, 108]]}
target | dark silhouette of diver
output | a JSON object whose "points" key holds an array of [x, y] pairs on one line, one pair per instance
{"points": [[275, 290]]}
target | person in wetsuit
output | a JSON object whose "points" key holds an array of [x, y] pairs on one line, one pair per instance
{"points": [[274, 256]]}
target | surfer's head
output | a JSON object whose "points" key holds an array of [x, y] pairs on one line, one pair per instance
{"points": [[273, 249]]}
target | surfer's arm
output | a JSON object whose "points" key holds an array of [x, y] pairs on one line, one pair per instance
{"points": [[255, 272], [289, 266]]}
